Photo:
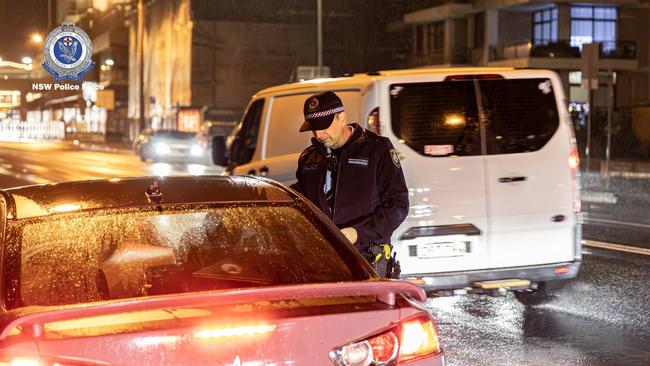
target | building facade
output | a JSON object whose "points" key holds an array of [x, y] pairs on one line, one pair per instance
{"points": [[212, 56]]}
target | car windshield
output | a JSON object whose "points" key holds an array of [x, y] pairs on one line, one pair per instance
{"points": [[96, 256], [166, 134]]}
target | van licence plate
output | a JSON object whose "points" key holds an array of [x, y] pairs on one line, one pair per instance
{"points": [[445, 249]]}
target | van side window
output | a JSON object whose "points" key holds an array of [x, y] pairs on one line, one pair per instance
{"points": [[521, 114], [436, 119], [286, 116], [246, 139]]}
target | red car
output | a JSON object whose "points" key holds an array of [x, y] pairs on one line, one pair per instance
{"points": [[194, 271]]}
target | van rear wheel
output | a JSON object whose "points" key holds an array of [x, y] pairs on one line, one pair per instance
{"points": [[545, 292], [533, 297]]}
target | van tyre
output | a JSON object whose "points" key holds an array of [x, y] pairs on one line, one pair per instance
{"points": [[533, 297], [544, 293]]}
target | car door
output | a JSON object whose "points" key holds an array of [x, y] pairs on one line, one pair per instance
{"points": [[529, 179], [434, 126]]}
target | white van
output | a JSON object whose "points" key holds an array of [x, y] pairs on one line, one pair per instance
{"points": [[489, 158]]}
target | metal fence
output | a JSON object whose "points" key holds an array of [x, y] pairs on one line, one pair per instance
{"points": [[17, 130], [616, 191]]}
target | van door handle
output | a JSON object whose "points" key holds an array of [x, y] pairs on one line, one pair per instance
{"points": [[511, 179], [264, 171]]}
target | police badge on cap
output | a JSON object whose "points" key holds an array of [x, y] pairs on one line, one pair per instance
{"points": [[68, 52]]}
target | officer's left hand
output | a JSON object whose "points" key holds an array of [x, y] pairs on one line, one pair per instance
{"points": [[350, 233]]}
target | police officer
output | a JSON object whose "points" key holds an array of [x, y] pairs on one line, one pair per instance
{"points": [[355, 177]]}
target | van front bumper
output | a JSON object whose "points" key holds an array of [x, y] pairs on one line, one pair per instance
{"points": [[547, 273]]}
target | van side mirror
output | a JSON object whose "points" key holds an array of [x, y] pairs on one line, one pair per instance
{"points": [[219, 151]]}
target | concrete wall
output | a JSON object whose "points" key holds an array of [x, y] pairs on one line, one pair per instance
{"points": [[233, 60], [633, 26], [167, 53], [631, 89], [515, 27]]}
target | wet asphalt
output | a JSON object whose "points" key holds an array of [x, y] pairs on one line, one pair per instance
{"points": [[601, 318]]}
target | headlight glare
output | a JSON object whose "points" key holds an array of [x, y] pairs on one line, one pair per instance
{"points": [[162, 148]]}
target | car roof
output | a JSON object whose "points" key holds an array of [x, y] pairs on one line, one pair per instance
{"points": [[362, 80], [48, 199]]}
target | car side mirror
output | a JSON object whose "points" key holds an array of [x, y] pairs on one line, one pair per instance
{"points": [[219, 151]]}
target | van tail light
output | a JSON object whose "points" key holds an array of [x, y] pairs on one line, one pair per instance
{"points": [[472, 77], [574, 164], [373, 121], [412, 339]]}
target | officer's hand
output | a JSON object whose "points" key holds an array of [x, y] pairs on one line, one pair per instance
{"points": [[350, 233]]}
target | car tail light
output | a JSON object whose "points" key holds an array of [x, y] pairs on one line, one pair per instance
{"points": [[6, 360], [237, 331], [373, 121], [574, 163], [419, 339], [414, 338], [22, 361]]}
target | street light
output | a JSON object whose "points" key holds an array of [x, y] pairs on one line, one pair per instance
{"points": [[37, 38], [27, 60]]}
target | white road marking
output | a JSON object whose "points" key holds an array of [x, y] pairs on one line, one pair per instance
{"points": [[614, 222], [598, 197], [616, 247]]}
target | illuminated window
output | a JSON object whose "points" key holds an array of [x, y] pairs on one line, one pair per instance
{"points": [[575, 77], [9, 98], [545, 26], [593, 24], [189, 120]]}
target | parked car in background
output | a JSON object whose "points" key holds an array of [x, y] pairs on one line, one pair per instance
{"points": [[210, 129], [170, 146], [209, 270]]}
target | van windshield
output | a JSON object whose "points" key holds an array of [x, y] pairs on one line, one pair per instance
{"points": [[440, 119]]}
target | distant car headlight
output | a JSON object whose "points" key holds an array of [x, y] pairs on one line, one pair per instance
{"points": [[196, 150], [162, 148]]}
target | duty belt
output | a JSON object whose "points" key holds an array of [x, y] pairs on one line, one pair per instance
{"points": [[386, 253]]}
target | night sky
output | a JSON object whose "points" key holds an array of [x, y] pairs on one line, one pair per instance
{"points": [[18, 20]]}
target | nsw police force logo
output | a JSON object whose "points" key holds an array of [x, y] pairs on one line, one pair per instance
{"points": [[67, 53]]}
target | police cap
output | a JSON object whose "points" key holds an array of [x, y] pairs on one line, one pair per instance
{"points": [[320, 110]]}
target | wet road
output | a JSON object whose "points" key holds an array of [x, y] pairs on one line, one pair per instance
{"points": [[603, 318], [617, 209], [40, 162]]}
